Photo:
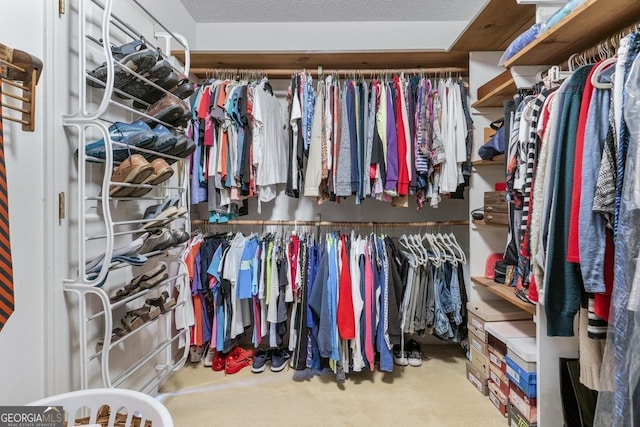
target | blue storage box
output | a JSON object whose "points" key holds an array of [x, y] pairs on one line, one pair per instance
{"points": [[526, 381]]}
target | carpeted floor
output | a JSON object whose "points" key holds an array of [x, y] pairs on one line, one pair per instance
{"points": [[435, 394]]}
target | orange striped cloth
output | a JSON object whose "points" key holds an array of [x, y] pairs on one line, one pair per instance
{"points": [[6, 265]]}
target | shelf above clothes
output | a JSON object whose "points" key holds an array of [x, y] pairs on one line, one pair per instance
{"points": [[504, 292], [203, 61], [493, 93], [587, 25], [495, 161]]}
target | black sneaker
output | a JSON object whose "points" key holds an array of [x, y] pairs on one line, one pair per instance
{"points": [[400, 357], [260, 361], [279, 359]]}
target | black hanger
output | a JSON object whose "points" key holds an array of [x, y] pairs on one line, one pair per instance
{"points": [[267, 87]]}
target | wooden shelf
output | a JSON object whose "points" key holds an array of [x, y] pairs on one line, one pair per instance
{"points": [[504, 292], [496, 161], [201, 61], [496, 26], [496, 91], [586, 26], [482, 223]]}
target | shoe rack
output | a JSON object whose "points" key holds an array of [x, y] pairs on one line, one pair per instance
{"points": [[109, 354]]}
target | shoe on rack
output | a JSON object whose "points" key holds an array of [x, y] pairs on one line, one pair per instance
{"points": [[169, 109], [184, 88], [180, 236], [161, 172], [279, 359], [132, 170], [131, 321], [184, 148], [165, 302], [138, 88], [165, 139], [136, 283], [400, 357], [260, 361], [154, 281], [137, 134], [237, 359], [147, 312], [414, 353], [133, 55], [158, 241], [154, 94]]}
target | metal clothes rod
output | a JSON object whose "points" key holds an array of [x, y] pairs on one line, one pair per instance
{"points": [[287, 72], [330, 223]]}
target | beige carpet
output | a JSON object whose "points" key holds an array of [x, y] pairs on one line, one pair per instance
{"points": [[435, 394]]}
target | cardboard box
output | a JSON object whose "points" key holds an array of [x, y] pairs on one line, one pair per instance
{"points": [[478, 343], [476, 326], [527, 407], [480, 362], [476, 378], [499, 332], [498, 399], [496, 359], [516, 419], [481, 312], [526, 381], [499, 378]]}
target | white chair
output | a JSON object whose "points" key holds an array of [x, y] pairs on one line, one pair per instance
{"points": [[136, 403]]}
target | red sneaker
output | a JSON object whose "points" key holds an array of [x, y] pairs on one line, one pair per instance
{"points": [[237, 359], [218, 362]]}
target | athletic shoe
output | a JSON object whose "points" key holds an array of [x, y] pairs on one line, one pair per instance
{"points": [[260, 361], [279, 359], [414, 352], [237, 359], [400, 357], [218, 361]]}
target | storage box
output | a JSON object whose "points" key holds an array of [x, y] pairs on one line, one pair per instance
{"points": [[523, 352], [497, 359], [476, 378], [480, 362], [525, 406], [516, 419], [498, 399], [478, 343], [496, 207], [499, 332], [499, 378], [525, 380], [481, 312]]}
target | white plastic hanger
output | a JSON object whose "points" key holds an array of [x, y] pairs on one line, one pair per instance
{"points": [[404, 241], [599, 69], [463, 255]]}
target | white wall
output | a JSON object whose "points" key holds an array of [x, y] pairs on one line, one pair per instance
{"points": [[22, 341], [483, 240]]}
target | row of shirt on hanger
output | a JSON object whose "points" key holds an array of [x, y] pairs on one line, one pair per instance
{"points": [[571, 174], [345, 298], [384, 139]]}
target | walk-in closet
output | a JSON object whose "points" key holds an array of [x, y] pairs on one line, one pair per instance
{"points": [[319, 213]]}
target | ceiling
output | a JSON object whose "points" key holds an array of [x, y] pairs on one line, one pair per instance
{"points": [[220, 11]]}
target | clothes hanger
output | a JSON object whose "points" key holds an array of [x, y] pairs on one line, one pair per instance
{"points": [[417, 245], [437, 259], [463, 256]]}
